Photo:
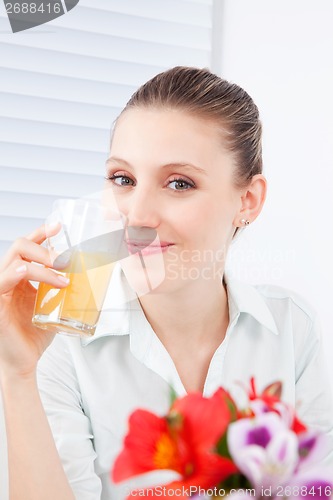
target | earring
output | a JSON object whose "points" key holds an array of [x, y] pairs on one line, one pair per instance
{"points": [[246, 222]]}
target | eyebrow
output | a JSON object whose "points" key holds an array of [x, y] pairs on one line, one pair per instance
{"points": [[186, 165]]}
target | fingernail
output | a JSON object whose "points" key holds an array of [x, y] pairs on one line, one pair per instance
{"points": [[21, 269], [52, 225], [63, 280]]}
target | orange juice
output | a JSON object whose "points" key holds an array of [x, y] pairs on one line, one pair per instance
{"points": [[76, 308]]}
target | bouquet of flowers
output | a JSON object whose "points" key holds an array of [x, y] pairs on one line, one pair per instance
{"points": [[217, 449]]}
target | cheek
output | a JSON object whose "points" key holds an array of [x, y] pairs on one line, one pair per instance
{"points": [[195, 225], [207, 226]]}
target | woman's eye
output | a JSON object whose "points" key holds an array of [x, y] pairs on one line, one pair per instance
{"points": [[180, 185], [122, 180], [174, 184]]}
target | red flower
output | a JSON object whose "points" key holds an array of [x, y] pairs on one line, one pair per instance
{"points": [[271, 396], [184, 441], [147, 446], [297, 426]]}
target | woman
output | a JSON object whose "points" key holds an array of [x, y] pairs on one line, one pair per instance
{"points": [[185, 161]]}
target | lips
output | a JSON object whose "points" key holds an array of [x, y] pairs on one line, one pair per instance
{"points": [[146, 247]]}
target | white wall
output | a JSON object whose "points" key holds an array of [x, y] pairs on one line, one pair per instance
{"points": [[281, 52]]}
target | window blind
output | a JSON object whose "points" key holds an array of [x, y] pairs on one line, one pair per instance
{"points": [[62, 85]]}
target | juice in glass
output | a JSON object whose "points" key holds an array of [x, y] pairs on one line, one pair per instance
{"points": [[76, 308]]}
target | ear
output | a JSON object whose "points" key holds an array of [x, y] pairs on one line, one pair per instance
{"points": [[252, 200]]}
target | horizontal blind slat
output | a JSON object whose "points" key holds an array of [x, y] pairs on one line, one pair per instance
{"points": [[49, 134], [173, 10], [98, 69], [64, 88], [21, 180], [29, 156], [153, 30], [26, 205], [108, 46], [14, 227], [57, 111], [90, 21]]}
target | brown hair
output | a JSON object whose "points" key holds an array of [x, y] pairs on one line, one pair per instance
{"points": [[204, 94]]}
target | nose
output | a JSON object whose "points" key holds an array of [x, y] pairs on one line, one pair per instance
{"points": [[142, 208]]}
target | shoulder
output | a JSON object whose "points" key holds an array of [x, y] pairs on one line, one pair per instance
{"points": [[278, 308], [290, 308], [290, 298]]}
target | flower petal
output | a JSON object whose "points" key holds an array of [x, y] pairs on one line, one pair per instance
{"points": [[281, 459], [211, 470], [312, 448], [253, 431], [137, 456], [205, 419], [250, 460], [283, 448], [316, 484]]}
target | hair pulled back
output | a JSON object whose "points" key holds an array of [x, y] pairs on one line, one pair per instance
{"points": [[204, 94]]}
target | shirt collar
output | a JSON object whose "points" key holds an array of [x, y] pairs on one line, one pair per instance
{"points": [[121, 303], [245, 298]]}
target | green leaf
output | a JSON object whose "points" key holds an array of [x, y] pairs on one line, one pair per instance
{"points": [[236, 481], [172, 395], [222, 446]]}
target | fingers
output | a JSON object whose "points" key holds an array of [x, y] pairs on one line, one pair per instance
{"points": [[20, 269], [18, 263], [29, 248], [25, 249], [44, 231]]}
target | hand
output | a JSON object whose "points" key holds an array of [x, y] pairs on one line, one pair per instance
{"points": [[21, 343]]}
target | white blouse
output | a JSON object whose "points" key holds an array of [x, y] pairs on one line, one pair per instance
{"points": [[89, 386]]}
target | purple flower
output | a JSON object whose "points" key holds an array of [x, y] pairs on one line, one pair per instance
{"points": [[312, 448], [264, 449], [277, 460]]}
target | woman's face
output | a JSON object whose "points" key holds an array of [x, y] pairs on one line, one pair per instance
{"points": [[169, 173]]}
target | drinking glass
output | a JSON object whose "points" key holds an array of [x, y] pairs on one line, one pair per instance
{"points": [[85, 250]]}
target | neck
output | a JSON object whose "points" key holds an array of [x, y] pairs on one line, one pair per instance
{"points": [[188, 316], [191, 323]]}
